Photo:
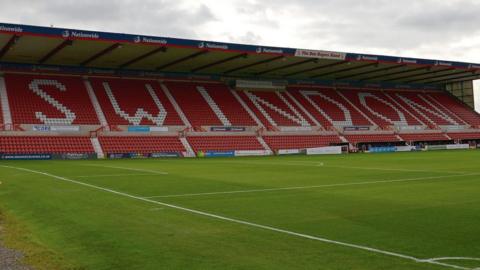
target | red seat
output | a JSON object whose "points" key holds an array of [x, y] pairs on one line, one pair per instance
{"points": [[140, 144], [45, 145], [224, 143]]}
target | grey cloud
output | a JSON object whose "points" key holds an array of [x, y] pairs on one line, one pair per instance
{"points": [[154, 17], [406, 27]]}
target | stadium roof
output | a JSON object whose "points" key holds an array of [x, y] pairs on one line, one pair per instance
{"points": [[25, 44]]}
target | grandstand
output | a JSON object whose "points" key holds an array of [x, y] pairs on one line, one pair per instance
{"points": [[108, 94]]}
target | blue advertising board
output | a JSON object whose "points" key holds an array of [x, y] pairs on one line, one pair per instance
{"points": [[25, 156], [220, 154], [138, 129], [165, 155], [384, 149]]}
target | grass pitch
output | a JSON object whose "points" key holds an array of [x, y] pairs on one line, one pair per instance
{"points": [[378, 211]]}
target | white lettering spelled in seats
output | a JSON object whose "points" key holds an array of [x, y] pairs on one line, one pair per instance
{"points": [[70, 116]]}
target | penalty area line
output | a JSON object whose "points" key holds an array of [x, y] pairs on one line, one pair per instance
{"points": [[125, 168], [312, 187], [246, 223]]}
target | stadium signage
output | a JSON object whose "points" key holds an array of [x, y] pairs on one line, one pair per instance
{"points": [[251, 84], [158, 129], [26, 156], [138, 129], [474, 66], [289, 151], [320, 54], [407, 148], [15, 29], [443, 64], [407, 61], [101, 71], [287, 129], [386, 149], [356, 128], [210, 45], [56, 128], [367, 58], [165, 155], [328, 150], [74, 156], [140, 39], [228, 129], [457, 146], [78, 34], [269, 50], [220, 154]]}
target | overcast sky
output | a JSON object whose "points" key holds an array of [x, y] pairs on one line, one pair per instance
{"points": [[435, 29]]}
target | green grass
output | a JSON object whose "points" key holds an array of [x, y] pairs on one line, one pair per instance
{"points": [[432, 212]]}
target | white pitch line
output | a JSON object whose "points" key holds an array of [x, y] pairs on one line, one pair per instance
{"points": [[246, 223], [125, 168], [311, 187], [454, 259], [322, 164], [112, 175]]}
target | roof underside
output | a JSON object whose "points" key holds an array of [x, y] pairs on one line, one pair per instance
{"points": [[65, 50]]}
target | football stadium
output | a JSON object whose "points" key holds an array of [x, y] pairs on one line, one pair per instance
{"points": [[128, 151]]}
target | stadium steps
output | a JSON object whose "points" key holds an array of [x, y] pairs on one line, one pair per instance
{"points": [[381, 113], [7, 116], [445, 112], [358, 110], [434, 115], [303, 121], [264, 105], [343, 139], [97, 147], [188, 147], [305, 111], [244, 105], [326, 109], [458, 107], [404, 109], [451, 112], [263, 143], [214, 106], [96, 104], [175, 105], [229, 105]]}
